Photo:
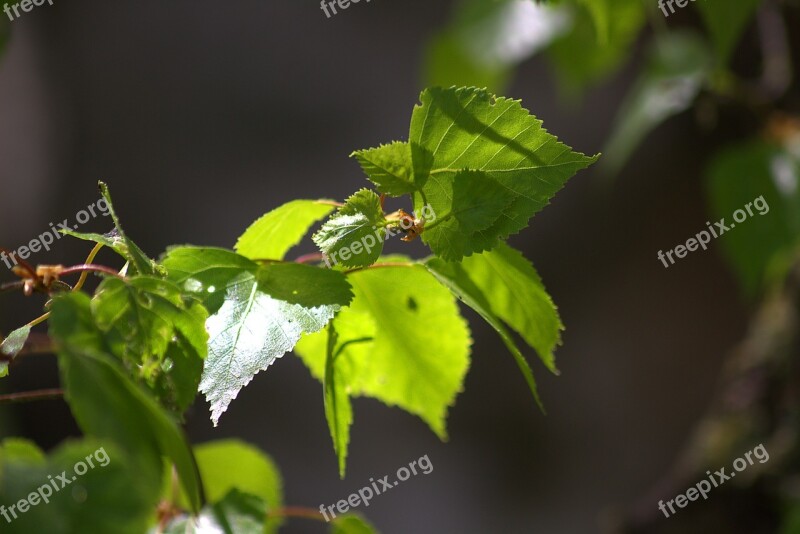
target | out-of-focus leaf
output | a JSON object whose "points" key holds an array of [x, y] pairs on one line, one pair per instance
{"points": [[11, 346], [236, 513], [274, 234], [5, 34], [108, 406], [488, 38], [767, 177], [352, 524], [581, 56], [108, 497], [232, 464], [726, 21], [678, 66]]}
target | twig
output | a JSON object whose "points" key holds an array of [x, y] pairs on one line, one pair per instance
{"points": [[90, 267], [310, 258], [297, 512], [31, 396]]}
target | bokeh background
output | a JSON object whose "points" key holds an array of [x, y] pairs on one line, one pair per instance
{"points": [[202, 116]]}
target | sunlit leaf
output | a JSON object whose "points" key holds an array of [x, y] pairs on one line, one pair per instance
{"points": [[274, 234]]}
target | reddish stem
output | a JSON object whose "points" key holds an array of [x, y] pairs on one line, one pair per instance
{"points": [[298, 512], [310, 258], [91, 267], [30, 396]]}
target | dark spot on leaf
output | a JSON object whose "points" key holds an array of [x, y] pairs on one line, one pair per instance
{"points": [[412, 304]]}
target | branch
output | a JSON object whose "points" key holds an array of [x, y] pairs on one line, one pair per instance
{"points": [[31, 396]]}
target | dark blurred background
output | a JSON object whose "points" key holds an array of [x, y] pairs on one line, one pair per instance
{"points": [[203, 115]]}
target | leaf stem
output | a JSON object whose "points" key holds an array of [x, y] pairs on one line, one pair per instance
{"points": [[298, 512], [310, 258], [330, 203], [88, 267], [89, 260], [39, 320], [380, 265], [31, 396]]}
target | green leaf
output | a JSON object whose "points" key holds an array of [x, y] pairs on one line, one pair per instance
{"points": [[141, 316], [453, 276], [236, 513], [228, 466], [762, 246], [726, 21], [401, 341], [503, 287], [487, 39], [108, 497], [471, 203], [232, 464], [352, 524], [677, 69], [583, 56], [448, 64], [21, 450], [111, 240], [353, 237], [304, 284], [138, 259], [271, 236], [519, 298], [250, 328], [11, 346], [512, 161], [388, 167], [108, 406], [338, 409], [178, 379]]}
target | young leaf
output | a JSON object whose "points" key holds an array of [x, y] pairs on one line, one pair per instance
{"points": [[108, 406], [271, 236], [401, 341], [249, 327], [353, 237], [111, 240], [138, 259], [11, 346], [514, 164], [388, 167]]}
